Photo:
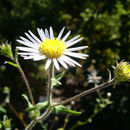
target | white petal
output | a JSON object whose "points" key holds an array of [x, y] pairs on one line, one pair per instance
{"points": [[51, 33], [25, 43], [60, 34], [66, 36], [26, 40], [39, 57], [34, 37], [65, 59], [74, 42], [76, 48], [46, 33], [30, 38], [47, 64], [28, 57], [27, 49], [27, 54], [62, 63], [43, 34], [77, 55], [72, 39], [73, 61], [82, 54], [56, 64]]}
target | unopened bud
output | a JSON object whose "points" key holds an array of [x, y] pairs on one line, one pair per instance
{"points": [[122, 71], [108, 95]]}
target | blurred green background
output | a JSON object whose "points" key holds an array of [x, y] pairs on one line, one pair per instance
{"points": [[105, 26]]}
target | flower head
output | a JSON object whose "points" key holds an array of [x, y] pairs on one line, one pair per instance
{"points": [[53, 49], [93, 78], [122, 71]]}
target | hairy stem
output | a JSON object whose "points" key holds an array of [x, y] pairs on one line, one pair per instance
{"points": [[108, 83], [50, 85], [48, 111], [27, 84], [45, 114]]}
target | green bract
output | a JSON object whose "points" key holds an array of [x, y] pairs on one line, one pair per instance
{"points": [[122, 71], [6, 50]]}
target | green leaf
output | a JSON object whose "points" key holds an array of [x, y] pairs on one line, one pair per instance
{"points": [[90, 120], [26, 98], [6, 122], [55, 80], [11, 63], [109, 75], [7, 92], [31, 113], [2, 109], [38, 106], [63, 109], [55, 109], [58, 77]]}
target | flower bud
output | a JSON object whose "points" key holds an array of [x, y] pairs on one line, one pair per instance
{"points": [[122, 71], [108, 95]]}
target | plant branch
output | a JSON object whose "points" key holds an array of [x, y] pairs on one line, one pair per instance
{"points": [[48, 111], [104, 85], [45, 114], [17, 114], [27, 84], [50, 85]]}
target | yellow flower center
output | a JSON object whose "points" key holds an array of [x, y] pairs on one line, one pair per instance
{"points": [[52, 48]]}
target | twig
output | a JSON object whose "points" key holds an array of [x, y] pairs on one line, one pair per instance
{"points": [[48, 111], [108, 83], [17, 114], [27, 85]]}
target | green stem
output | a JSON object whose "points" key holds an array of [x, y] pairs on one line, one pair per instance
{"points": [[45, 114], [79, 123], [50, 85], [98, 93], [48, 110]]}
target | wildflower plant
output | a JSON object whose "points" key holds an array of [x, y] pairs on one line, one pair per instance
{"points": [[56, 51]]}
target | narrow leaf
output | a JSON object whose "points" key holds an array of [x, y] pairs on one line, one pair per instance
{"points": [[59, 76], [63, 109], [38, 106], [55, 82], [2, 109], [109, 75], [11, 63], [26, 98]]}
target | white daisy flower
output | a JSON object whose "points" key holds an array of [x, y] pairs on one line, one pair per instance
{"points": [[93, 78], [56, 50]]}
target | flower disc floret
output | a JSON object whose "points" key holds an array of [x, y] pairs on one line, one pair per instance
{"points": [[52, 48]]}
